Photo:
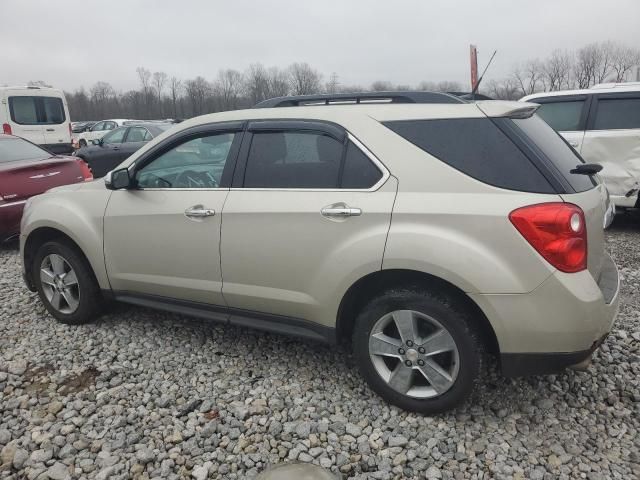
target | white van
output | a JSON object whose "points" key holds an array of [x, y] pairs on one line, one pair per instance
{"points": [[603, 124], [39, 114]]}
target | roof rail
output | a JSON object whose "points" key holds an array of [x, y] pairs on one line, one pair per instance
{"points": [[356, 98], [614, 85]]}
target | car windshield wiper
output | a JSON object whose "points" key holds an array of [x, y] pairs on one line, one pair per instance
{"points": [[587, 169]]}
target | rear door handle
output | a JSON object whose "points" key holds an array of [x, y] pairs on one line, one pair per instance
{"points": [[340, 212], [50, 130], [198, 211]]}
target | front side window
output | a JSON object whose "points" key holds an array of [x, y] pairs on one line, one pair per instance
{"points": [[98, 127], [37, 110], [109, 125], [617, 114], [562, 116], [293, 160], [196, 163], [114, 137]]}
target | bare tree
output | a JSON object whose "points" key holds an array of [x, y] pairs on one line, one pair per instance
{"points": [[159, 81], [278, 82], [594, 64], [198, 90], [38, 83], [256, 83], [624, 59], [304, 79], [381, 86], [530, 77], [175, 89], [557, 70], [507, 89], [228, 88], [144, 76]]}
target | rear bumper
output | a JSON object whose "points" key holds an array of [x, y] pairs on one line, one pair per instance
{"points": [[559, 324], [10, 215], [59, 148]]}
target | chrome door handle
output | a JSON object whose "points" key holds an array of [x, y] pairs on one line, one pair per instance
{"points": [[198, 211], [341, 212]]}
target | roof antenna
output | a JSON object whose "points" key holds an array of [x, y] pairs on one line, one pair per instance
{"points": [[475, 88]]}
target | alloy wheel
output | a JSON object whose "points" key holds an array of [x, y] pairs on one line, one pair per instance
{"points": [[414, 354], [59, 283]]}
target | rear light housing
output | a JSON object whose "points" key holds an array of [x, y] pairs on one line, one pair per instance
{"points": [[6, 128], [557, 231], [86, 170]]}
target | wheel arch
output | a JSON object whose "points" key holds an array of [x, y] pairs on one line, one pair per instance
{"points": [[40, 236], [377, 282]]}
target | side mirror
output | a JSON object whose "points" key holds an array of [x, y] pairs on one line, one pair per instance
{"points": [[118, 179]]}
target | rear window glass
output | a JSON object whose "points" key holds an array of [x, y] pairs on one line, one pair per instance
{"points": [[476, 147], [617, 114], [562, 116], [556, 149], [37, 110], [15, 149]]}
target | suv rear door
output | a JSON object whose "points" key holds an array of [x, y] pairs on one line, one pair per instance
{"points": [[308, 212], [567, 114], [613, 140]]}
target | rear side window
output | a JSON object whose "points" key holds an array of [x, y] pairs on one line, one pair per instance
{"points": [[562, 116], [359, 171], [617, 114], [556, 149], [37, 110], [293, 160], [476, 147]]}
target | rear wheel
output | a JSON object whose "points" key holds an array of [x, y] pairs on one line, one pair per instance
{"points": [[417, 350], [66, 284]]}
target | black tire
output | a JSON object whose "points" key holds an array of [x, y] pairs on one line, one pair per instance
{"points": [[90, 303], [455, 320], [82, 143]]}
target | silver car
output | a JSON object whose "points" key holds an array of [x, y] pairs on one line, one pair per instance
{"points": [[425, 231]]}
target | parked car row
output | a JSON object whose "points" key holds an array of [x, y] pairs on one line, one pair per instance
{"points": [[112, 149]]}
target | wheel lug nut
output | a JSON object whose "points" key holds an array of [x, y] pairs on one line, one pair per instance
{"points": [[401, 351], [421, 362], [408, 363], [421, 350], [409, 343]]}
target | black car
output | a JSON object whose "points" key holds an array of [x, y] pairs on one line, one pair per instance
{"points": [[112, 149], [79, 127]]}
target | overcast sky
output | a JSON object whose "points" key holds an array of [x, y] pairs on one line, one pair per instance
{"points": [[73, 43]]}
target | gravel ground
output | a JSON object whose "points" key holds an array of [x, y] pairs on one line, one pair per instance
{"points": [[142, 394]]}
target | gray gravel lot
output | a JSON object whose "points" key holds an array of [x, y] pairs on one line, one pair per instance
{"points": [[142, 394]]}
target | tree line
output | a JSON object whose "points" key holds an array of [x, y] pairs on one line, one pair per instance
{"points": [[162, 96]]}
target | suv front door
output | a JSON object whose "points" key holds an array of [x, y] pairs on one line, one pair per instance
{"points": [[162, 237], [308, 213]]}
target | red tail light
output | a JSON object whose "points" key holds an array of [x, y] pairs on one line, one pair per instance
{"points": [[85, 169], [557, 231], [6, 128]]}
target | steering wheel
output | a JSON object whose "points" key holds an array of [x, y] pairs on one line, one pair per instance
{"points": [[193, 179]]}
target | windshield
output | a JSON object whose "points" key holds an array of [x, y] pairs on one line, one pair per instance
{"points": [[15, 149]]}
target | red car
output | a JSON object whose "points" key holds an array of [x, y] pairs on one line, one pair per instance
{"points": [[27, 170]]}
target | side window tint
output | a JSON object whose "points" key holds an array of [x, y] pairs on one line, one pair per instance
{"points": [[293, 160], [97, 127], [617, 114], [114, 137], [197, 163], [359, 171], [475, 147], [562, 116]]}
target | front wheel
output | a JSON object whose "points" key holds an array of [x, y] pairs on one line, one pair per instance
{"points": [[417, 350], [82, 143], [66, 284]]}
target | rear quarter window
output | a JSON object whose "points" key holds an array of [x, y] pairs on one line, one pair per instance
{"points": [[475, 147]]}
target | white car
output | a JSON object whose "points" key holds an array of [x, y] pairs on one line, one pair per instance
{"points": [[97, 131], [603, 124], [38, 114]]}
